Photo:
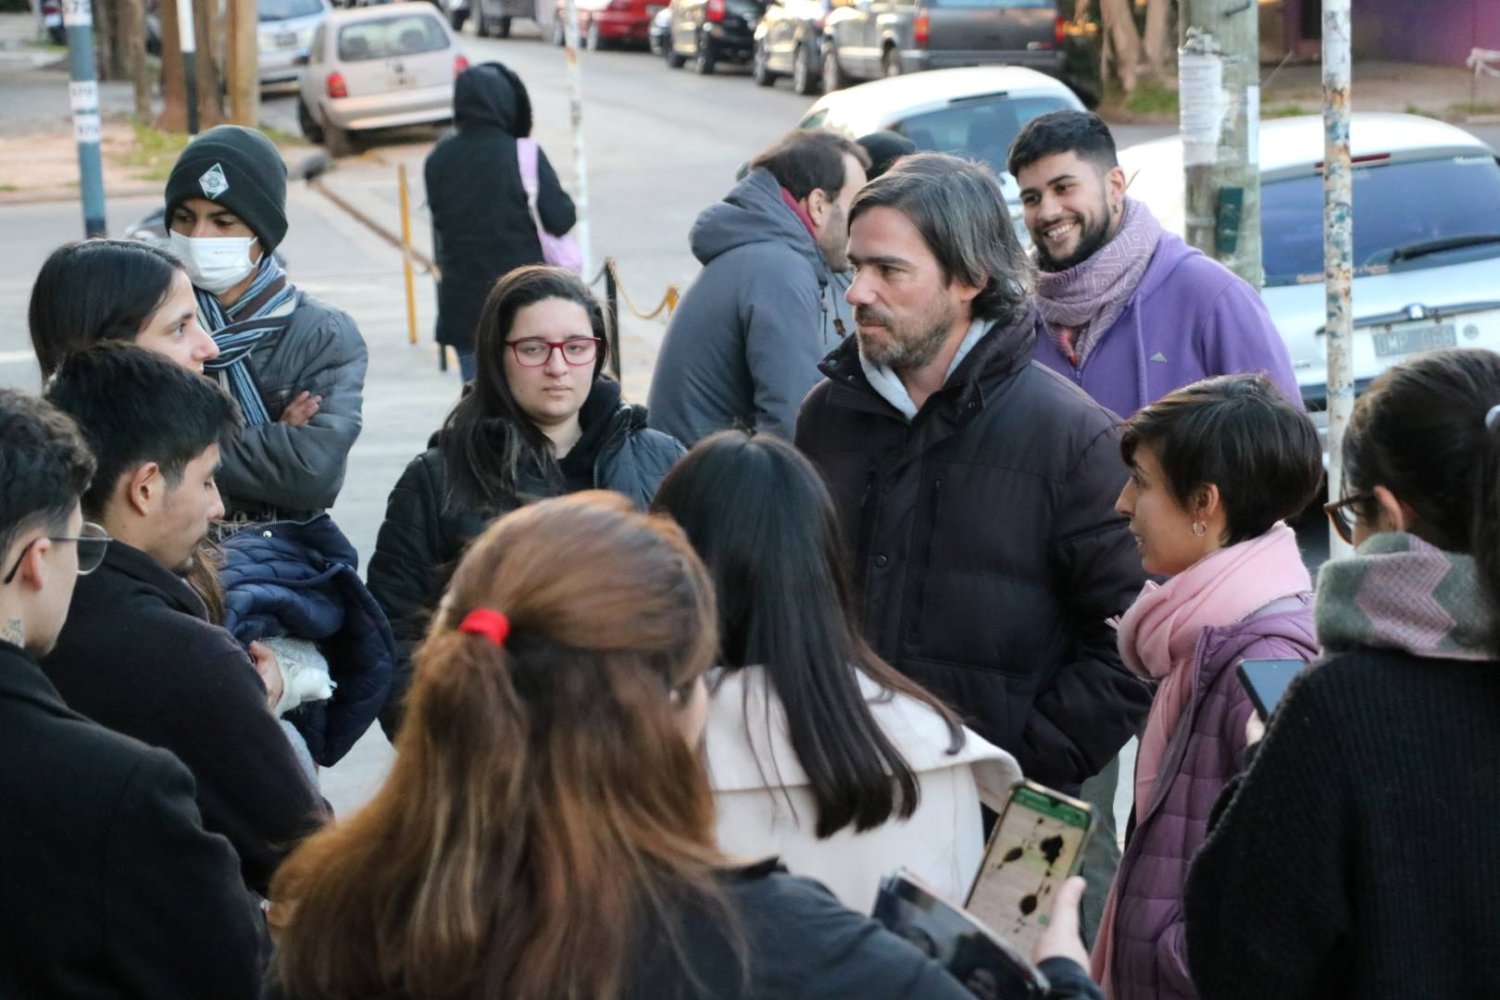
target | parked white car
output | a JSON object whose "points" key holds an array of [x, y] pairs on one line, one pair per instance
{"points": [[1426, 237], [974, 112], [377, 67], [284, 34]]}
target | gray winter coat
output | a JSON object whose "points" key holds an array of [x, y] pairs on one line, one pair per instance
{"points": [[743, 347], [279, 470]]}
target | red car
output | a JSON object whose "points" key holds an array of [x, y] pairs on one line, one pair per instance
{"points": [[610, 22]]}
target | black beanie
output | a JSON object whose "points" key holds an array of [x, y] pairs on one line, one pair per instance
{"points": [[885, 148], [238, 168]]}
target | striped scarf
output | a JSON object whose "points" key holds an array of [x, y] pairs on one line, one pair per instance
{"points": [[264, 309]]}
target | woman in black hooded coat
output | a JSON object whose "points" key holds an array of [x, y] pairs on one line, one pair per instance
{"points": [[482, 228]]}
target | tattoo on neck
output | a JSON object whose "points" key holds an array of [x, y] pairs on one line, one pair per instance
{"points": [[13, 631]]}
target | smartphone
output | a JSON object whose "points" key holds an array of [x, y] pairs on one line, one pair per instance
{"points": [[1266, 681], [1036, 844]]}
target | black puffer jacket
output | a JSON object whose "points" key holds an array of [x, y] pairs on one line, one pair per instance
{"points": [[987, 549], [424, 534], [481, 227]]}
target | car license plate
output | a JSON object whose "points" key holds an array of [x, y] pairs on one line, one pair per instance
{"points": [[286, 40], [1411, 339]]}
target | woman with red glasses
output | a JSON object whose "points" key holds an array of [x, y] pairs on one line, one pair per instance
{"points": [[538, 420]]}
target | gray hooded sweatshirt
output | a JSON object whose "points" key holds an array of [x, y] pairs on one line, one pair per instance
{"points": [[743, 347]]}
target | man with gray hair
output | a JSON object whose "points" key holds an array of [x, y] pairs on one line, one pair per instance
{"points": [[976, 488]]}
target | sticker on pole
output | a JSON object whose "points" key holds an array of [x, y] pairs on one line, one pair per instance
{"points": [[78, 13], [1201, 99], [86, 128], [83, 96]]}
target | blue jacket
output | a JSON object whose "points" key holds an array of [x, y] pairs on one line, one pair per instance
{"points": [[301, 579]]}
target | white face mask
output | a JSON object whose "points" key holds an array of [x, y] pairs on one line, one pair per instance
{"points": [[215, 263]]}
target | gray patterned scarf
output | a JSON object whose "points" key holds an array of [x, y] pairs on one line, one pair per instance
{"points": [[1081, 303]]}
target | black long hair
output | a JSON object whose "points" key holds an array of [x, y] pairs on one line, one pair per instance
{"points": [[488, 443], [1422, 430], [763, 522]]}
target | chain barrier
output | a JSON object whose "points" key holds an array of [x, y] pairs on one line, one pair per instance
{"points": [[614, 291]]}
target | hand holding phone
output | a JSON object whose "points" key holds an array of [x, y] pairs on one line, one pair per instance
{"points": [[1267, 680]]}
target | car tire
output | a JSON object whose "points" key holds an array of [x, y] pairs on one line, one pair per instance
{"points": [[760, 70], [804, 73], [502, 28], [456, 20], [481, 23], [559, 31], [833, 74], [704, 60], [311, 131], [669, 49], [591, 40], [337, 141], [890, 62]]}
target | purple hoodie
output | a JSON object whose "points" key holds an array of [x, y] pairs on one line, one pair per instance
{"points": [[1150, 953], [1189, 318]]}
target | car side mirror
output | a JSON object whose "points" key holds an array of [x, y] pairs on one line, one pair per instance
{"points": [[301, 59]]}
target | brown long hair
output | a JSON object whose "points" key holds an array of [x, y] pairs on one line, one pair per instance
{"points": [[544, 809]]}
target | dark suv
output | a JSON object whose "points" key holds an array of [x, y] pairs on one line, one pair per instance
{"points": [[864, 39], [712, 31]]}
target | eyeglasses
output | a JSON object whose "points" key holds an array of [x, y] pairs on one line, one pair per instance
{"points": [[1342, 514], [534, 352], [92, 541]]}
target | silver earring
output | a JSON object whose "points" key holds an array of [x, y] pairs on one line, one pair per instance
{"points": [[1199, 529]]}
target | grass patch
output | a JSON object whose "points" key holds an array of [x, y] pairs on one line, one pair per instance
{"points": [[1412, 109], [280, 137], [1475, 108], [1284, 111], [155, 152], [1152, 99]]}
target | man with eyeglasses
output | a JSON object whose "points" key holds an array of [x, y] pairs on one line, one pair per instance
{"points": [[138, 653], [111, 885]]}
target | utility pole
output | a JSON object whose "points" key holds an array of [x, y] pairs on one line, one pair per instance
{"points": [[187, 38], [1219, 101], [580, 154], [1338, 242], [83, 94], [244, 64]]}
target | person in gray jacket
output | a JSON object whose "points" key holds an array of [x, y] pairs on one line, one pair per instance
{"points": [[743, 347], [294, 364]]}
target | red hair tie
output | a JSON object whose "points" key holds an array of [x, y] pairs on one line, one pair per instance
{"points": [[486, 622]]}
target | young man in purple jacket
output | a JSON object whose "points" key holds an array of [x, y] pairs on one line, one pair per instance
{"points": [[1127, 310]]}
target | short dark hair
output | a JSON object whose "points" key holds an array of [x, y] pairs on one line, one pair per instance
{"points": [[960, 210], [135, 407], [93, 290], [808, 160], [1081, 132], [1239, 433], [45, 466]]}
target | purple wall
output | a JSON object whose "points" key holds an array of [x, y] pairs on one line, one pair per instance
{"points": [[1425, 31]]}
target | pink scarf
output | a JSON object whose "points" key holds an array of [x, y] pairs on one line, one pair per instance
{"points": [[1159, 639]]}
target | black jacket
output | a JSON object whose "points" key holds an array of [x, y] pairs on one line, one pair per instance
{"points": [[987, 550], [1356, 856], [481, 226], [109, 885], [138, 655], [424, 533]]}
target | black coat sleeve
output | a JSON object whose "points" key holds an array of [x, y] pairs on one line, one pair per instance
{"points": [[178, 919], [1268, 908], [1092, 706], [1069, 981], [404, 575], [552, 202]]}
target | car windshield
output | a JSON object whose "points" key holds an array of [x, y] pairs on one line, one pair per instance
{"points": [[982, 128], [283, 10], [1407, 215], [391, 36]]}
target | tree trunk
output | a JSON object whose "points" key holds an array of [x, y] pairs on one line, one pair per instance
{"points": [[1157, 38], [133, 27], [210, 63], [1121, 37], [174, 104]]}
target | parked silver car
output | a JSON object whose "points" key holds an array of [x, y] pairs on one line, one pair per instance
{"points": [[284, 34], [378, 67], [973, 112], [1426, 237]]}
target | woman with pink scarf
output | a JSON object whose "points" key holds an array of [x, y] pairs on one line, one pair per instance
{"points": [[1215, 468]]}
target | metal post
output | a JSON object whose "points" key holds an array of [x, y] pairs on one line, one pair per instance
{"points": [[1338, 242], [188, 40], [406, 270], [83, 94], [575, 114], [612, 314], [1219, 98]]}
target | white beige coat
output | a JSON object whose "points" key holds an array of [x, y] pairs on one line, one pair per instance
{"points": [[765, 803]]}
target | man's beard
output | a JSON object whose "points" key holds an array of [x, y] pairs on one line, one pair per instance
{"points": [[1093, 237], [912, 344]]}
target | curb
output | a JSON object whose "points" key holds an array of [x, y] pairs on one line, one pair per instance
{"points": [[52, 195]]}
